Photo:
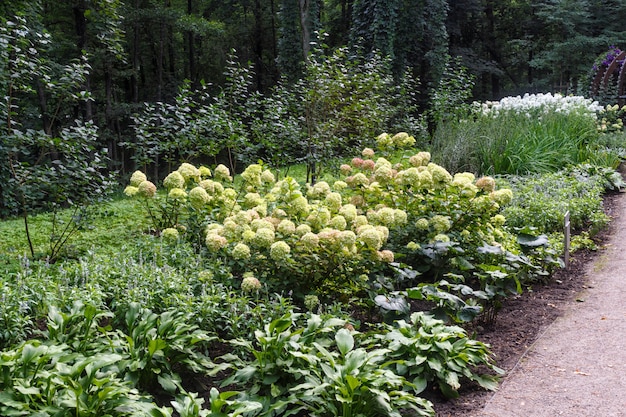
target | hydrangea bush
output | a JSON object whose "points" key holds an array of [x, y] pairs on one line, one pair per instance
{"points": [[330, 238]]}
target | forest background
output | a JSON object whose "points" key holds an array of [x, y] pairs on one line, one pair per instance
{"points": [[96, 86]]}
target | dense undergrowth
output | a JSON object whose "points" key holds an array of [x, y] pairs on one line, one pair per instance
{"points": [[217, 294]]}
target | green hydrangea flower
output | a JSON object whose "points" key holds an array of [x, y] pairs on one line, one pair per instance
{"points": [[264, 237], [174, 180], [170, 234], [279, 251], [131, 191], [137, 178], [311, 302], [310, 240], [222, 173], [241, 251], [189, 172], [215, 242], [250, 283], [199, 198]]}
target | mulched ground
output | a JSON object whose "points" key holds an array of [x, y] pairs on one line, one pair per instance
{"points": [[522, 320]]}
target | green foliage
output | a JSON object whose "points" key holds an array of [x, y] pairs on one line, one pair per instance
{"points": [[542, 201], [427, 351], [53, 166]]}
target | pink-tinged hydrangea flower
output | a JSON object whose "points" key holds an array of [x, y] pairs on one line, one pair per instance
{"points": [[222, 173], [205, 172], [367, 153], [199, 198], [487, 184], [267, 177], [440, 224], [329, 236], [177, 194], [264, 238], [279, 251], [137, 178], [357, 200], [311, 302], [422, 224], [189, 172], [310, 240], [368, 165], [303, 229], [357, 162], [250, 283], [498, 220], [349, 212], [385, 256], [146, 189], [502, 197], [345, 169], [169, 234], [241, 251], [174, 180], [215, 242], [371, 238], [130, 191], [338, 222], [286, 227]]}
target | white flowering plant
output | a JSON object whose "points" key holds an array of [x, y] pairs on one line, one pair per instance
{"points": [[331, 238]]}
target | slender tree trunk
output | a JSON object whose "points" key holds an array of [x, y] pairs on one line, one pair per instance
{"points": [[305, 22]]}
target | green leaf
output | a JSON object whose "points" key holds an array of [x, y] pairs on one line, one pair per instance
{"points": [[531, 241], [345, 341]]}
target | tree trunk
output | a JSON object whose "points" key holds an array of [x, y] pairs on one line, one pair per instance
{"points": [[305, 22]]}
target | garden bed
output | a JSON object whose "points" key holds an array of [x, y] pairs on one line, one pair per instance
{"points": [[522, 319]]}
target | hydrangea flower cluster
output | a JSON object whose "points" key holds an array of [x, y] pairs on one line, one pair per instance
{"points": [[314, 239], [532, 105]]}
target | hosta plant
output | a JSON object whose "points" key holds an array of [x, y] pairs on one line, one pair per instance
{"points": [[426, 350]]}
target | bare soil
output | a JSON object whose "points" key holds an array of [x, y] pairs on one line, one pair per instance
{"points": [[523, 319]]}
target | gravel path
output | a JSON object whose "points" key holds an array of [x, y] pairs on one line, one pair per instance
{"points": [[577, 367]]}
